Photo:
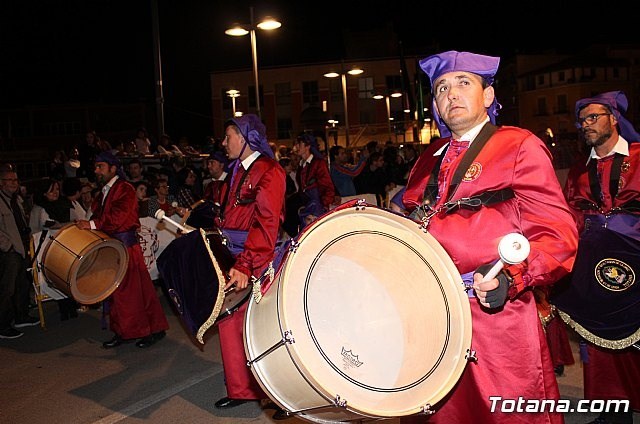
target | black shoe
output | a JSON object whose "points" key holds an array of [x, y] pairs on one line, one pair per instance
{"points": [[225, 402], [10, 333], [150, 340], [280, 415], [559, 370], [114, 342], [27, 321]]}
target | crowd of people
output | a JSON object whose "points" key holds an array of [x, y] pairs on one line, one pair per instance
{"points": [[476, 183]]}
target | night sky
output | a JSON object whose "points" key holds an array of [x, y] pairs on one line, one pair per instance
{"points": [[62, 51]]}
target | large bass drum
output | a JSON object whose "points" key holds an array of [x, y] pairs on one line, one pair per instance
{"points": [[367, 318]]}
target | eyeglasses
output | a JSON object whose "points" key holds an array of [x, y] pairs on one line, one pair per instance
{"points": [[589, 119], [13, 180]]}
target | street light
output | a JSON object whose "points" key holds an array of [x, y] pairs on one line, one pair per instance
{"points": [[354, 71], [239, 30], [389, 118], [233, 94]]}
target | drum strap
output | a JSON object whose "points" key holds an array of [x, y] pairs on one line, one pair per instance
{"points": [[594, 181], [128, 238], [238, 200], [472, 203]]}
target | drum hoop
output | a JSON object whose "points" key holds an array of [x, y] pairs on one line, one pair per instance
{"points": [[213, 317], [465, 317], [602, 342]]}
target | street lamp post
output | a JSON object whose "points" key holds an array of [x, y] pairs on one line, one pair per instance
{"points": [[343, 75], [233, 94], [239, 30], [388, 102]]}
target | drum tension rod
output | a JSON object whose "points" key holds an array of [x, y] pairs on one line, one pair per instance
{"points": [[426, 409], [471, 356], [286, 338]]}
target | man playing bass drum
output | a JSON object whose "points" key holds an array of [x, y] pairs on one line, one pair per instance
{"points": [[251, 212]]}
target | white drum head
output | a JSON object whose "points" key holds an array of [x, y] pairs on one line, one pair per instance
{"points": [[377, 310]]}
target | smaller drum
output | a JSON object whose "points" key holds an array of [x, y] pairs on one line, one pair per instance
{"points": [[86, 265]]}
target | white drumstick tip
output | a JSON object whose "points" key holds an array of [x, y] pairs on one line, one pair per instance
{"points": [[513, 249]]}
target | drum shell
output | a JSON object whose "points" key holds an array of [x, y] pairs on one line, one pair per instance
{"points": [[86, 265], [298, 380]]}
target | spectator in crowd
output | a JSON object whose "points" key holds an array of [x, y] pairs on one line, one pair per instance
{"points": [[15, 234], [141, 196], [134, 309], [373, 179], [162, 199], [88, 150], [508, 172], [189, 191], [87, 192], [142, 143], [51, 212], [135, 171], [343, 173], [72, 164]]}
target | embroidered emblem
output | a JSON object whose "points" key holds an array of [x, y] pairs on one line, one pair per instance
{"points": [[614, 275], [621, 183], [625, 167], [473, 172]]}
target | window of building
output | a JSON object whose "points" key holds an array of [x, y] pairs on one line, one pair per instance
{"points": [[284, 128], [283, 93], [335, 89], [310, 92], [227, 104], [542, 106], [540, 79], [252, 96], [561, 76], [365, 88], [563, 106], [616, 72], [394, 83]]}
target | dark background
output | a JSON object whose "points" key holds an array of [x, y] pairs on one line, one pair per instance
{"points": [[57, 52]]}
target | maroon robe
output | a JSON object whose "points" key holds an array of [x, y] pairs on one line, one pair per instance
{"points": [[513, 357], [134, 308], [265, 185]]}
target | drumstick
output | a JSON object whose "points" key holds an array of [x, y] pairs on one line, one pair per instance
{"points": [[513, 249], [160, 215]]}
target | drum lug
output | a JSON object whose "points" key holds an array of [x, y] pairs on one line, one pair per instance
{"points": [[287, 337], [339, 402], [427, 409], [360, 204], [293, 246], [471, 356]]}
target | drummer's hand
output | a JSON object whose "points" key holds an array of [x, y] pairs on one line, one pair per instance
{"points": [[83, 224], [237, 278], [493, 293]]}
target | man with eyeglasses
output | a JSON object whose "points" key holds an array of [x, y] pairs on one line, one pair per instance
{"points": [[602, 299], [14, 258]]}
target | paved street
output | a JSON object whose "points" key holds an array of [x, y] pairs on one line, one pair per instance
{"points": [[61, 374]]}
